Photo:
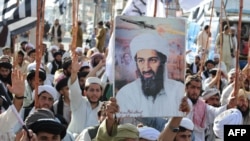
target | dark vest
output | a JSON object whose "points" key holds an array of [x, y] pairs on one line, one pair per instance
{"points": [[55, 67], [59, 32]]}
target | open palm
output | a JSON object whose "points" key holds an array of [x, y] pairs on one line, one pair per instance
{"points": [[18, 85]]}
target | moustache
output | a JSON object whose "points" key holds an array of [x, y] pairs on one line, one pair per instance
{"points": [[148, 72]]}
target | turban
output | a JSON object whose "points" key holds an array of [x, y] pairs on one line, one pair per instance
{"points": [[210, 92], [230, 116], [126, 131], [149, 41], [47, 88]]}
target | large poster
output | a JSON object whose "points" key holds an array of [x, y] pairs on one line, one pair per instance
{"points": [[149, 66]]}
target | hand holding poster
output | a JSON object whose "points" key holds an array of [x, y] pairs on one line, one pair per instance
{"points": [[150, 65]]}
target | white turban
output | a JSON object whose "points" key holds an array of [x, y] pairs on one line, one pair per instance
{"points": [[210, 92], [230, 116], [149, 41], [148, 133], [53, 48], [32, 66], [78, 50], [30, 46], [47, 88]]}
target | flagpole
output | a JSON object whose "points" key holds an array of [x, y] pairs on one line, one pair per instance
{"points": [[38, 58], [155, 8], [75, 24], [236, 86]]}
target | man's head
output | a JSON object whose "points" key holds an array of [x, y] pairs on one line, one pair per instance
{"points": [[226, 29], [206, 27], [193, 87], [56, 22], [32, 55], [197, 59], [212, 97], [209, 64], [5, 69], [243, 102], [93, 89], [43, 123], [150, 60], [29, 47], [66, 65], [46, 96], [233, 31], [6, 51], [62, 86], [58, 57], [31, 77], [100, 24], [126, 58], [95, 59], [185, 130], [216, 58], [82, 76], [231, 76], [20, 57]]}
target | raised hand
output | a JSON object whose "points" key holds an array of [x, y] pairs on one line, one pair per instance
{"points": [[18, 85]]}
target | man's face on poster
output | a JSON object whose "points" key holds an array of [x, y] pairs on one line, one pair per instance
{"points": [[150, 71]]}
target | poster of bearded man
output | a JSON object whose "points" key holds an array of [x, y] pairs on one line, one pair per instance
{"points": [[149, 66]]}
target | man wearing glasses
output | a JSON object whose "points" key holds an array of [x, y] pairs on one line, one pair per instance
{"points": [[152, 93]]}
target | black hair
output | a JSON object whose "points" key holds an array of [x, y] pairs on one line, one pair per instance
{"points": [[209, 61], [20, 53], [206, 27], [163, 58]]}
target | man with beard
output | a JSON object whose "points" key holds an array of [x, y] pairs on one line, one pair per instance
{"points": [[152, 94], [84, 108], [57, 33], [201, 113], [55, 65], [243, 105], [5, 72]]}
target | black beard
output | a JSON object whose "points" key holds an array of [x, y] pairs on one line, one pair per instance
{"points": [[153, 85], [194, 101], [59, 63], [6, 79], [244, 113]]}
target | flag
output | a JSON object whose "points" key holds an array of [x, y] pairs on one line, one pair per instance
{"points": [[198, 16], [62, 6], [189, 5], [133, 8], [19, 19]]}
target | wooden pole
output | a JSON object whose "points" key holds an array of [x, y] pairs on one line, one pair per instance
{"points": [[38, 48], [155, 8], [236, 86], [75, 24]]}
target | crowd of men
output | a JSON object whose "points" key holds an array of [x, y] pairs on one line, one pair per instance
{"points": [[74, 98]]}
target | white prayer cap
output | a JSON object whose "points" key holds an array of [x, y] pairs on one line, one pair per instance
{"points": [[229, 117], [148, 133], [32, 66], [233, 28], [210, 92], [149, 41], [29, 45], [232, 71], [53, 48], [216, 56], [92, 80], [6, 47], [47, 88], [187, 123], [78, 50], [85, 64]]}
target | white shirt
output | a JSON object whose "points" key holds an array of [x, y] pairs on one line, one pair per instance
{"points": [[133, 103], [211, 113], [82, 114], [66, 110]]}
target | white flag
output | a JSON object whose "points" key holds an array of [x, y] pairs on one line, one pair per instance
{"points": [[133, 8], [189, 5]]}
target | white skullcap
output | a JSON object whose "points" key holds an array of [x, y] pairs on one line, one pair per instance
{"points": [[210, 92], [149, 41], [78, 50], [49, 89], [148, 133], [231, 116], [30, 46], [231, 71], [53, 48], [187, 123], [6, 47], [32, 66], [216, 55], [232, 28], [66, 55], [92, 80], [85, 64]]}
